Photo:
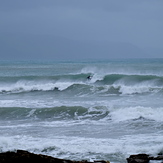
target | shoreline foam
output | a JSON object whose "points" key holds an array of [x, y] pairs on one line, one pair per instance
{"points": [[20, 156]]}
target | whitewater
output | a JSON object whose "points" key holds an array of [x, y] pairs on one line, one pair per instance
{"points": [[54, 108]]}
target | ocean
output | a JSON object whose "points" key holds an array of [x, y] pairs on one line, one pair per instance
{"points": [[95, 110]]}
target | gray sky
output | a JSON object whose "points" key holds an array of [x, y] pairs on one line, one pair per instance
{"points": [[81, 29]]}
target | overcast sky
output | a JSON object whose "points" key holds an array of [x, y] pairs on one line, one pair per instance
{"points": [[80, 29]]}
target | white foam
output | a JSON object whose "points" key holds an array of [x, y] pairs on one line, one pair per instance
{"points": [[84, 148], [31, 103], [62, 85], [45, 103], [27, 86], [129, 113], [97, 74], [142, 87]]}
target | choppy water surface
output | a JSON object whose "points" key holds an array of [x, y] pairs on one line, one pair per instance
{"points": [[53, 108]]}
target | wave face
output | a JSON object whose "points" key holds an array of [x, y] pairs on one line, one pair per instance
{"points": [[109, 109]]}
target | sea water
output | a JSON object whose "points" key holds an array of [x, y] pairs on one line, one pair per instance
{"points": [[53, 108]]}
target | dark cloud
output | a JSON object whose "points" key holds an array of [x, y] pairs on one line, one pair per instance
{"points": [[111, 28]]}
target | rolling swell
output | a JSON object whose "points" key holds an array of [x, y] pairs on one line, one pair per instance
{"points": [[129, 79], [80, 113], [54, 113]]}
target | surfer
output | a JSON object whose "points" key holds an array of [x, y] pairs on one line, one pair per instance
{"points": [[89, 77]]}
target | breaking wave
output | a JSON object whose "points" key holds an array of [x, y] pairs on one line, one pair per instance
{"points": [[79, 83]]}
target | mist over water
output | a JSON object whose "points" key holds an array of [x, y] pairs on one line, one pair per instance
{"points": [[55, 109]]}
